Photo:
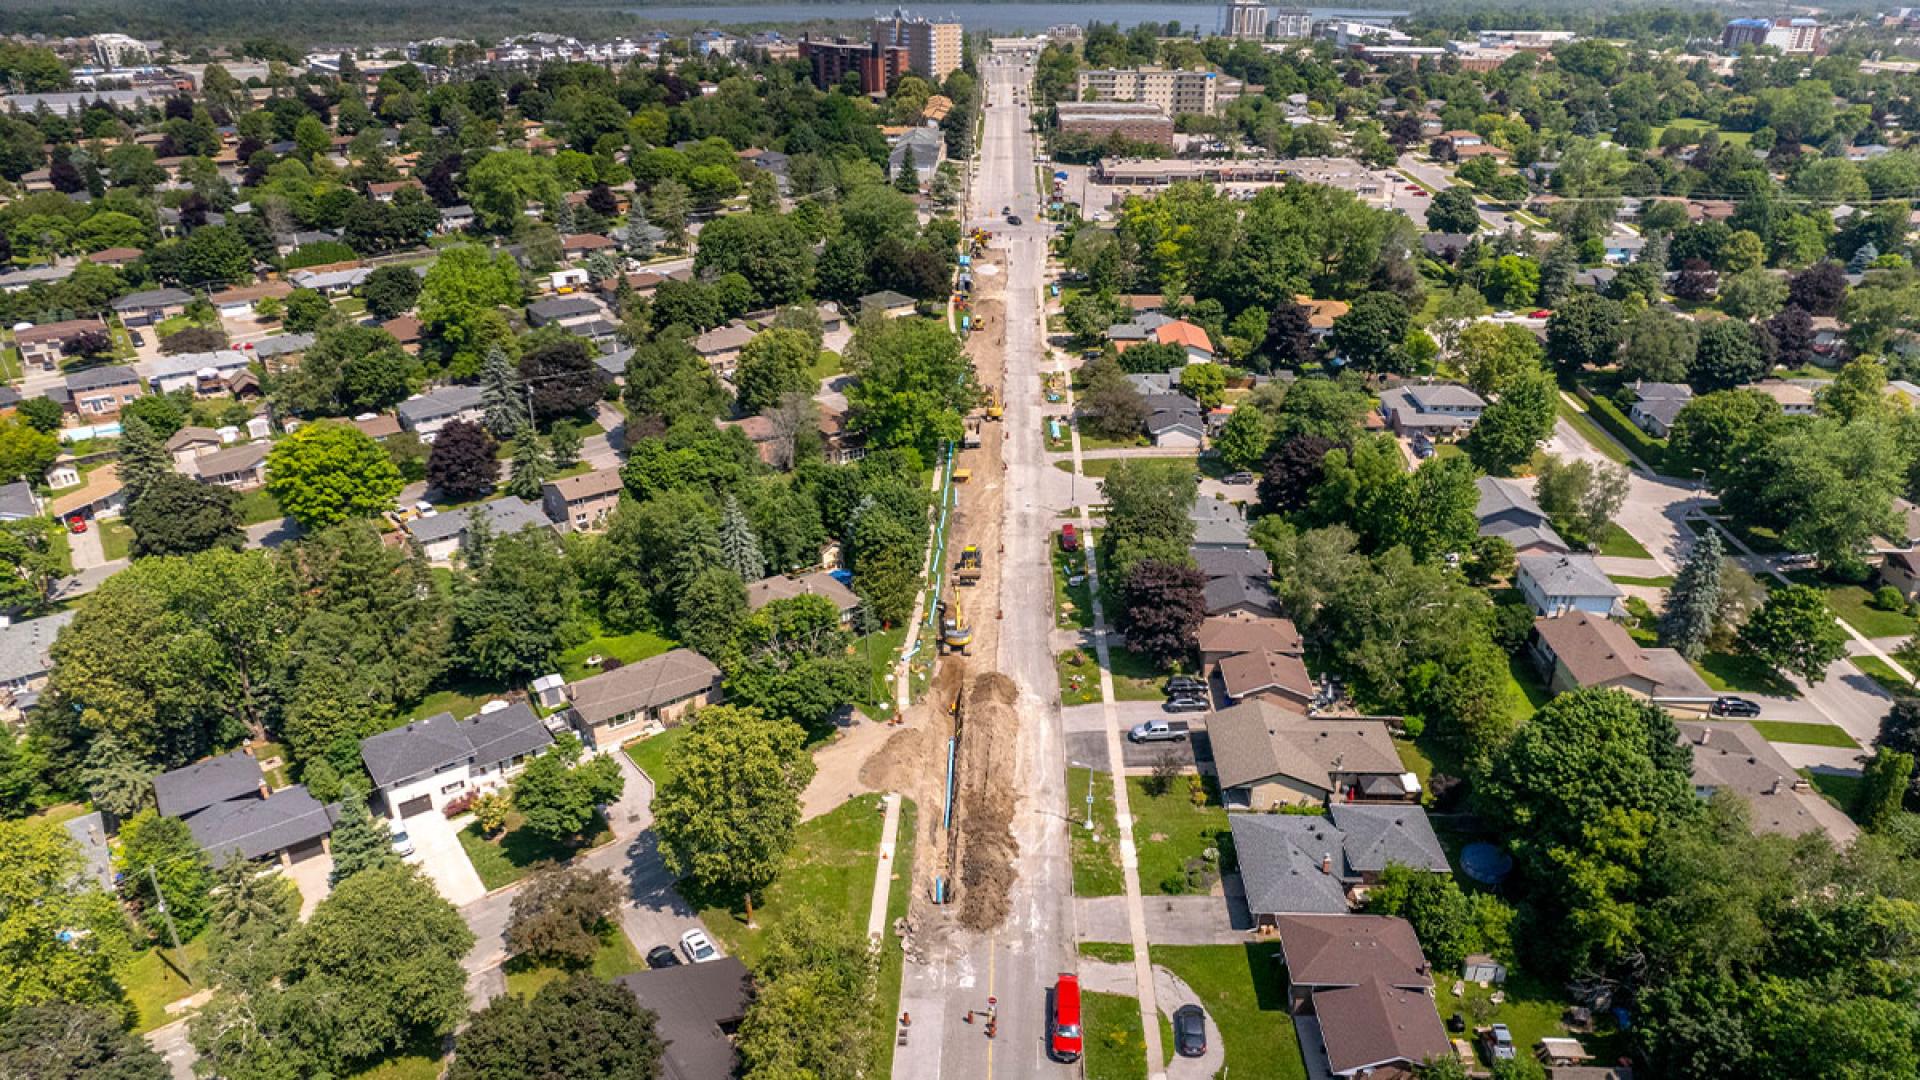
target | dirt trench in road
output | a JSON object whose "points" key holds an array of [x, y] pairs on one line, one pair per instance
{"points": [[978, 856]]}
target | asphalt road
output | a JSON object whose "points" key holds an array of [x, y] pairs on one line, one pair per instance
{"points": [[1017, 963]]}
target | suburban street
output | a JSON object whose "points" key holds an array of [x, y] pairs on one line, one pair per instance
{"points": [[1017, 963]]}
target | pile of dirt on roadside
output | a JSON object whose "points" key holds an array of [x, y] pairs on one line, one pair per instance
{"points": [[988, 767]]}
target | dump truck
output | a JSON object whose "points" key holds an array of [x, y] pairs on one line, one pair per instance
{"points": [[967, 570], [956, 633]]}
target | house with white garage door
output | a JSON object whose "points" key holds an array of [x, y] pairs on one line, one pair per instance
{"points": [[426, 764]]}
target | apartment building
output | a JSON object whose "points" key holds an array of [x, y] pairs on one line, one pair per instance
{"points": [[1800, 35], [877, 65], [1178, 92], [1290, 24], [1098, 120], [1246, 19], [933, 48]]}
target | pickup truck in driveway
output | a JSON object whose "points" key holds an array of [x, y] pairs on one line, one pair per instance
{"points": [[1158, 731]]}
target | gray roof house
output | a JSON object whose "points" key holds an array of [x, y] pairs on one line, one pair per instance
{"points": [[280, 345], [1175, 420], [1240, 594], [18, 502], [1293, 864], [186, 791], [1508, 510], [562, 310], [231, 812], [441, 535], [929, 148], [427, 413], [1656, 404], [26, 650], [1559, 584], [439, 758], [1231, 562], [697, 1007], [1432, 408], [100, 378]]}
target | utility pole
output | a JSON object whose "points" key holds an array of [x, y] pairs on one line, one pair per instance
{"points": [[161, 900]]}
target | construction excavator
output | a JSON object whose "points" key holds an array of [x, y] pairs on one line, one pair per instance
{"points": [[956, 633], [967, 570]]}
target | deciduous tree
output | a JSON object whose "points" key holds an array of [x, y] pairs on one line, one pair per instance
{"points": [[62, 1041], [327, 473], [576, 1028], [562, 915], [462, 464], [726, 815], [1795, 632], [176, 515], [559, 794], [1163, 607]]}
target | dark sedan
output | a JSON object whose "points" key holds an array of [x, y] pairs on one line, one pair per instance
{"points": [[662, 956], [1735, 706], [1190, 1031]]}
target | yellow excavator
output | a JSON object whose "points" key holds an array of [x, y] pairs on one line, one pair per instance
{"points": [[994, 409], [967, 570], [956, 633]]}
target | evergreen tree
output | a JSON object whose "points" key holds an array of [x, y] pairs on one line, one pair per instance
{"points": [[143, 458], [739, 546], [562, 217], [1863, 257], [359, 843], [601, 267], [1694, 602], [907, 179], [532, 465], [1562, 262], [639, 230], [500, 393], [115, 777]]}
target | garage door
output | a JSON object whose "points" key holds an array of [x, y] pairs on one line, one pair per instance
{"points": [[421, 805], [303, 852]]}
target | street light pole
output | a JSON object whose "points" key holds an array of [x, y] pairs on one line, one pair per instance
{"points": [[161, 900], [1090, 800]]}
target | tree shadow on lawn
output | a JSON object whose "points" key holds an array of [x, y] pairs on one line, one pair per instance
{"points": [[522, 847], [1753, 675]]}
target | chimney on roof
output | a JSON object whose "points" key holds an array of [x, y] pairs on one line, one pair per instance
{"points": [[1326, 863]]}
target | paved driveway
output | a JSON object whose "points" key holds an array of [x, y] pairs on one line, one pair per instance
{"points": [[437, 850], [310, 877]]}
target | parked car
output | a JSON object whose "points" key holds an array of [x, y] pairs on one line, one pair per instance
{"points": [[1237, 478], [1157, 731], [1185, 686], [1186, 704], [1064, 1040], [1190, 1031], [1735, 706], [402, 843], [1422, 447], [662, 956], [1499, 1042], [1069, 538], [139, 340], [77, 524], [698, 947]]}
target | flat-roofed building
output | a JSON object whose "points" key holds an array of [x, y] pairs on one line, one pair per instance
{"points": [[1198, 92], [1131, 120]]}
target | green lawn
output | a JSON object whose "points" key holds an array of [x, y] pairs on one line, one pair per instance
{"points": [[116, 538], [1170, 833], [1101, 442], [420, 1061], [1619, 543], [829, 869], [1591, 431], [1134, 677], [1242, 988], [1789, 731], [257, 506], [1099, 467], [1662, 582], [1096, 854], [626, 648], [1113, 952], [1072, 604], [881, 650], [1735, 672], [1840, 789], [616, 957], [826, 365], [1047, 427], [1526, 693], [654, 753], [462, 697], [1530, 1009], [54, 815], [1876, 669], [1116, 1049], [157, 978], [1850, 602], [508, 857]]}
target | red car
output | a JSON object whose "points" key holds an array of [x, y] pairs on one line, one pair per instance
{"points": [[1541, 314], [77, 524], [1069, 539], [1064, 1040]]}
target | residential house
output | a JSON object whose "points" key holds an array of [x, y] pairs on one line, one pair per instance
{"points": [[1321, 314], [928, 147], [385, 190], [423, 765], [1266, 675], [189, 443], [1240, 595], [1731, 756], [1364, 984], [1436, 410], [26, 651], [1655, 404], [720, 347], [102, 392], [1624, 247], [1269, 755], [18, 501], [443, 535], [100, 496], [202, 373], [456, 218], [1294, 863], [581, 503], [1795, 396], [1445, 247], [642, 698], [1560, 584], [280, 349], [1829, 339], [150, 306], [887, 303], [581, 245], [696, 1008], [231, 811], [1581, 651], [1223, 636], [565, 311], [239, 468], [1187, 336], [819, 583], [425, 414], [42, 346], [115, 256], [1507, 510], [377, 426], [1230, 562], [332, 281], [238, 302], [1175, 421], [1217, 524]]}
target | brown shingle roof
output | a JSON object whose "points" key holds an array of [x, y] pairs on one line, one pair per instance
{"points": [[1600, 652], [1229, 635], [659, 680], [1250, 673], [1347, 950], [587, 485], [1259, 739], [781, 587], [1374, 1024]]}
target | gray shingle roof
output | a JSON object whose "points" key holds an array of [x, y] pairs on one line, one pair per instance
{"points": [[426, 746], [554, 308], [505, 516], [696, 1005], [182, 792], [438, 403], [1568, 575], [101, 377], [151, 298], [24, 646], [1507, 510], [282, 345], [1228, 562], [1281, 858], [254, 828], [657, 680], [1236, 591], [17, 501], [1378, 834]]}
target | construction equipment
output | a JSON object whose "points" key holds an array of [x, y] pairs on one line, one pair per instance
{"points": [[956, 633], [967, 570], [994, 409]]}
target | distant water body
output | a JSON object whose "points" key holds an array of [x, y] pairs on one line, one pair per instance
{"points": [[1003, 18]]}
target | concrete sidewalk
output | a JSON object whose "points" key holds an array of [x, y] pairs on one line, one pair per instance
{"points": [[883, 872]]}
